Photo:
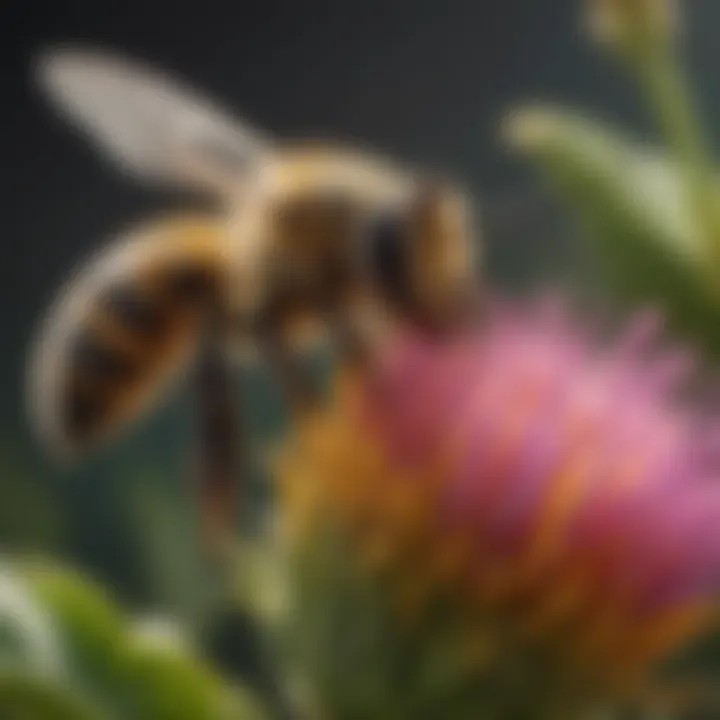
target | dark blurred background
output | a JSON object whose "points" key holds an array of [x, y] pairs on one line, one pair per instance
{"points": [[427, 80]]}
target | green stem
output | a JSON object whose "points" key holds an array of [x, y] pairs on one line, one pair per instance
{"points": [[669, 96]]}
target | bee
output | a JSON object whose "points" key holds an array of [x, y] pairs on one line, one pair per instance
{"points": [[290, 236]]}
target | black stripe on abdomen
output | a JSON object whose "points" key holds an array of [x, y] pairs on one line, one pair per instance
{"points": [[96, 358], [134, 310], [99, 373], [129, 337]]}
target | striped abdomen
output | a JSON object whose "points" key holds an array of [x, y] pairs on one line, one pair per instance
{"points": [[122, 329]]}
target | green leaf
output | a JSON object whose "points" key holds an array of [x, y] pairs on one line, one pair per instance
{"points": [[28, 638], [23, 697], [88, 618], [632, 203], [169, 684], [135, 670], [92, 628]]}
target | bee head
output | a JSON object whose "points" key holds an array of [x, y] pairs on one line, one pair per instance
{"points": [[420, 257]]}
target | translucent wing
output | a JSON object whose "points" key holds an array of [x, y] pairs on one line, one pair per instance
{"points": [[151, 125]]}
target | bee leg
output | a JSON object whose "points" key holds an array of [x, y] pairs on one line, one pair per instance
{"points": [[272, 331], [220, 443]]}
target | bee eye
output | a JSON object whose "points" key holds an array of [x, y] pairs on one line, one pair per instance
{"points": [[386, 253]]}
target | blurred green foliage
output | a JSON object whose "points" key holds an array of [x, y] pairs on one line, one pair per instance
{"points": [[630, 201], [651, 210], [68, 651]]}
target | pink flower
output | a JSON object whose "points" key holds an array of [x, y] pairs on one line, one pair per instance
{"points": [[572, 468], [555, 491]]}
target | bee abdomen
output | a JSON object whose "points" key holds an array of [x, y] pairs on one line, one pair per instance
{"points": [[123, 329], [133, 311]]}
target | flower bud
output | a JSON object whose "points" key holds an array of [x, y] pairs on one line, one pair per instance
{"points": [[624, 22]]}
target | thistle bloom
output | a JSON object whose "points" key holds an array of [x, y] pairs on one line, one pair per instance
{"points": [[554, 502]]}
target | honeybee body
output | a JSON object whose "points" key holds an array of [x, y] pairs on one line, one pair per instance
{"points": [[305, 235], [296, 240]]}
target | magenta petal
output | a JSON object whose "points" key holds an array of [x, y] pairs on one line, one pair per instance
{"points": [[538, 421]]}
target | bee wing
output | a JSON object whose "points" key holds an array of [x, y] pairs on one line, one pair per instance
{"points": [[152, 126]]}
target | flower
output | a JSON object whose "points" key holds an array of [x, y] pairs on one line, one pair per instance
{"points": [[547, 505]]}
